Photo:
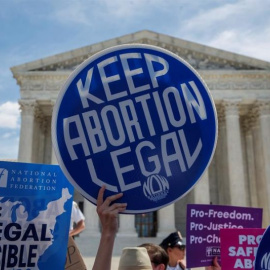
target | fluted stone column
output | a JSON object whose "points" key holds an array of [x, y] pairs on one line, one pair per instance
{"points": [[264, 120], [248, 124], [53, 157], [36, 136], [91, 220], [166, 221], [262, 196], [127, 226], [235, 156], [201, 190], [222, 160], [42, 121], [28, 108]]}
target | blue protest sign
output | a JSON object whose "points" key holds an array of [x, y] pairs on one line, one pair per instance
{"points": [[35, 210], [262, 259], [138, 119]]}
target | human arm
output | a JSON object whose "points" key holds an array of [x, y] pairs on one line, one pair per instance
{"points": [[79, 227], [78, 219], [215, 266], [108, 215]]}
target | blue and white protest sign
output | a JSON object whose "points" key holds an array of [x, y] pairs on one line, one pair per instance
{"points": [[262, 259], [138, 119], [35, 210]]}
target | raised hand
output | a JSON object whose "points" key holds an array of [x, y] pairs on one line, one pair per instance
{"points": [[108, 214]]}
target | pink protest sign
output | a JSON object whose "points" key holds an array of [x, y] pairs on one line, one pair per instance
{"points": [[239, 247]]}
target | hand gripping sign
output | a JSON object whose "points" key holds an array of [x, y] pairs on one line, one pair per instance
{"points": [[138, 119]]}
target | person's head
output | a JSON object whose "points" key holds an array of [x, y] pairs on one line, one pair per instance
{"points": [[134, 258], [175, 248], [158, 256]]}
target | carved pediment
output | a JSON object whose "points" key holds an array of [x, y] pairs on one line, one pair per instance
{"points": [[199, 56]]}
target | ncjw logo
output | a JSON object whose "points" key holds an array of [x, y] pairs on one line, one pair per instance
{"points": [[156, 187], [265, 262], [212, 251], [3, 177]]}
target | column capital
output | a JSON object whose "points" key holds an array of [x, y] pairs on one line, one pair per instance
{"points": [[254, 116], [38, 114], [28, 107], [263, 106], [231, 106], [250, 120]]}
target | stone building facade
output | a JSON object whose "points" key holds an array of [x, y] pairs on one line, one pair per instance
{"points": [[239, 173]]}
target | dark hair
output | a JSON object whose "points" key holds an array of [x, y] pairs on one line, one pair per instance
{"points": [[156, 253]]}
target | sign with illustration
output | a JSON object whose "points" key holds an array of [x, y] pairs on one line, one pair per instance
{"points": [[239, 247], [35, 210], [138, 119], [262, 259], [204, 223]]}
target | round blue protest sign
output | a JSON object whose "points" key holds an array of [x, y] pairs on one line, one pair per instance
{"points": [[138, 119]]}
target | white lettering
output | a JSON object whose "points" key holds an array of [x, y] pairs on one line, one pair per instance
{"points": [[174, 93], [106, 80], [172, 156], [191, 101], [121, 170], [154, 74], [75, 139], [94, 131], [130, 119], [130, 73], [84, 90], [118, 124], [152, 159]]}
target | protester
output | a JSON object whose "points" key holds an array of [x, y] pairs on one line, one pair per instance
{"points": [[158, 256], [134, 258], [77, 222], [175, 248]]}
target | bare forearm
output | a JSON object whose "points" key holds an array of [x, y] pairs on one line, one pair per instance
{"points": [[108, 215], [80, 226], [104, 253]]}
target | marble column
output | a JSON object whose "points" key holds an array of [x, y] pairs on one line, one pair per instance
{"points": [[201, 190], [35, 139], [43, 129], [127, 226], [264, 120], [91, 220], [238, 196], [166, 221], [28, 108], [262, 195], [221, 160], [53, 156], [248, 124]]}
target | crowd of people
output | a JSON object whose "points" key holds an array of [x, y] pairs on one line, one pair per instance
{"points": [[168, 255]]}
